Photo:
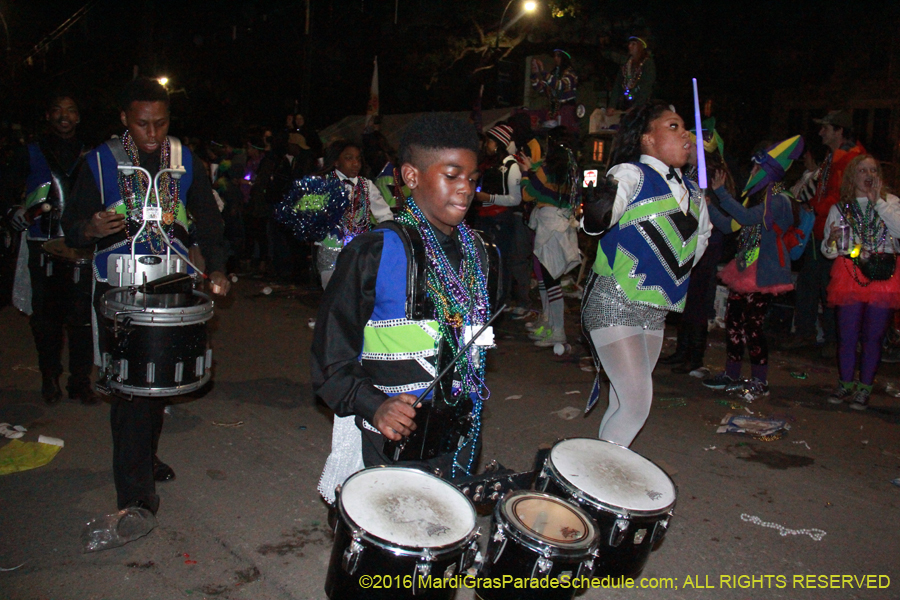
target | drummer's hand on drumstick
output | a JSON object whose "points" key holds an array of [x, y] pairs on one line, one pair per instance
{"points": [[104, 223], [219, 283], [394, 418]]}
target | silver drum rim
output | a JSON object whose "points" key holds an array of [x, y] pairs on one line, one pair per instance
{"points": [[156, 317], [550, 472]]}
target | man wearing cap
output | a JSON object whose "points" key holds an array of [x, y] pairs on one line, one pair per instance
{"points": [[837, 133], [636, 77]]}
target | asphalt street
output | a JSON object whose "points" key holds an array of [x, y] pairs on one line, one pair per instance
{"points": [[754, 519]]}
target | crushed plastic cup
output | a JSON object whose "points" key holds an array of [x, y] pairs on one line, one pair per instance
{"points": [[892, 389], [560, 349], [117, 529]]}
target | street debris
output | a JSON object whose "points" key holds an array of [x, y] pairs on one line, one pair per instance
{"points": [[568, 413], [755, 426], [804, 443], [234, 424], [12, 432], [676, 402], [570, 392], [816, 534], [514, 397], [117, 529]]}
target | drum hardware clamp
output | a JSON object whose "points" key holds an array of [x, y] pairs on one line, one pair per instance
{"points": [[542, 566], [423, 569], [351, 555], [620, 528]]}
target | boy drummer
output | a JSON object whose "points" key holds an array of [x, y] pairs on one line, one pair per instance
{"points": [[397, 308]]}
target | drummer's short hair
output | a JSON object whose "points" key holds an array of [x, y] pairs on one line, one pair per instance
{"points": [[436, 131], [143, 89]]}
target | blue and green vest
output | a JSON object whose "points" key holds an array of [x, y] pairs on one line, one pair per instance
{"points": [[45, 185], [650, 251], [401, 339], [112, 199]]}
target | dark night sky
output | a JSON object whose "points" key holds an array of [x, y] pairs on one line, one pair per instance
{"points": [[740, 52]]}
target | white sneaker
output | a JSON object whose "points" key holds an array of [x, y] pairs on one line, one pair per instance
{"points": [[543, 321], [541, 333]]}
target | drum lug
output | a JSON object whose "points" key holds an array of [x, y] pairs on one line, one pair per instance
{"points": [[500, 537], [423, 571], [542, 567], [470, 554], [619, 529], [661, 527], [352, 554]]}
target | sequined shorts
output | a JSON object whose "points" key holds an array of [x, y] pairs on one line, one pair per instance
{"points": [[326, 258], [606, 305]]}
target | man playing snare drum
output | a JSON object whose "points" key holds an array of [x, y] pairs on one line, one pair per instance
{"points": [[111, 217], [55, 291]]}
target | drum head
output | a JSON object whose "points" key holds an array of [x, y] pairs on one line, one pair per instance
{"points": [[612, 474], [548, 519], [407, 507], [57, 248]]}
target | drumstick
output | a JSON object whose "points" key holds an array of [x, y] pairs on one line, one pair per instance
{"points": [[447, 369], [459, 354]]}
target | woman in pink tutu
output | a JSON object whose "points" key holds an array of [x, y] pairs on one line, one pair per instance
{"points": [[761, 268], [865, 288]]}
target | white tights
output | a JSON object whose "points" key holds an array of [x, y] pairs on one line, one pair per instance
{"points": [[628, 362]]}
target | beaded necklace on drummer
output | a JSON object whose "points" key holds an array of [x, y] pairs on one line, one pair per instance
{"points": [[460, 298], [133, 188]]}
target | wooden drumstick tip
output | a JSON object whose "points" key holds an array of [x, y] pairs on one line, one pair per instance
{"points": [[45, 207]]}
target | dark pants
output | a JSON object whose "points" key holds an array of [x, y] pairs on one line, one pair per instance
{"points": [[61, 307], [136, 425], [744, 320], [812, 288], [257, 236]]}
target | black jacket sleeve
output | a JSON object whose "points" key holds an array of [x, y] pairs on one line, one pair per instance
{"points": [[207, 219], [84, 202], [338, 377]]}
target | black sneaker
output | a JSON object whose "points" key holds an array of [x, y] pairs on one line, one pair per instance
{"points": [[841, 394], [718, 382], [860, 400]]}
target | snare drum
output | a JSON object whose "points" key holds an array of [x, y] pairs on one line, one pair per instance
{"points": [[71, 263], [397, 528], [631, 498], [159, 344], [537, 536]]}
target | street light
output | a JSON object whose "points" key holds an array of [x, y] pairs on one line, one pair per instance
{"points": [[527, 7], [162, 81]]}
